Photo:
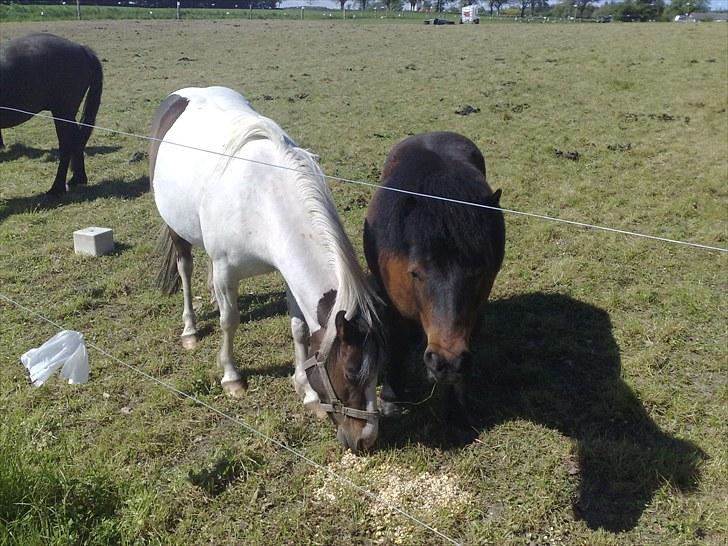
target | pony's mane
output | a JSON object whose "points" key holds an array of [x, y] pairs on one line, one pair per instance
{"points": [[353, 293]]}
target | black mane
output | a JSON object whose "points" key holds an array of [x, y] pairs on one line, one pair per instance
{"points": [[445, 232]]}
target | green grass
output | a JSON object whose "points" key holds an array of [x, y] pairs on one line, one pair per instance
{"points": [[601, 394]]}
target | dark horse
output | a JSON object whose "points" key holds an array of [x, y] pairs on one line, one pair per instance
{"points": [[45, 72], [434, 260]]}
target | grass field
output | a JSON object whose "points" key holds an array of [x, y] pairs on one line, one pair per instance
{"points": [[602, 389]]}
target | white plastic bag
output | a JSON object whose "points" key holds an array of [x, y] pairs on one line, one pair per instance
{"points": [[66, 349]]}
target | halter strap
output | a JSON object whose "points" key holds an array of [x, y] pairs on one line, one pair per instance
{"points": [[333, 404]]}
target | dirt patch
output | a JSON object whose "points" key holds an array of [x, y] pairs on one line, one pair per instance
{"points": [[467, 110], [573, 156]]}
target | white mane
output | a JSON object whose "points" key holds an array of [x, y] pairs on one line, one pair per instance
{"points": [[353, 293]]}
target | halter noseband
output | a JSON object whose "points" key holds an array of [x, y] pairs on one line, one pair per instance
{"points": [[334, 404]]}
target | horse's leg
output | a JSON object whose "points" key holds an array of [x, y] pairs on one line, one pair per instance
{"points": [[400, 333], [211, 287], [457, 413], [301, 335], [226, 294], [79, 177], [189, 337], [66, 133]]}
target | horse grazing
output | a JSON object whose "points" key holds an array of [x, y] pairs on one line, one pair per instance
{"points": [[435, 260], [271, 212], [46, 72]]}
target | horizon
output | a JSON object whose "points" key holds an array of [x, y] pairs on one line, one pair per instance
{"points": [[714, 5]]}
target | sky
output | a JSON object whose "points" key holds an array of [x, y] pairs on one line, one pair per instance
{"points": [[721, 5]]}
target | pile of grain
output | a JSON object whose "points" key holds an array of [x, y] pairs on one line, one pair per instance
{"points": [[417, 494]]}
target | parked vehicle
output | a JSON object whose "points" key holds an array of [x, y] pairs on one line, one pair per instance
{"points": [[470, 14]]}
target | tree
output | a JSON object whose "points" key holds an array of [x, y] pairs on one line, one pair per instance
{"points": [[539, 5], [522, 5], [497, 4], [686, 7], [581, 5]]}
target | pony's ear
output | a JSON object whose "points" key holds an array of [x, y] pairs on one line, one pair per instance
{"points": [[494, 199], [341, 323], [345, 329]]}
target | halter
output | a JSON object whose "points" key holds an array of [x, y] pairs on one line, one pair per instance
{"points": [[333, 404]]}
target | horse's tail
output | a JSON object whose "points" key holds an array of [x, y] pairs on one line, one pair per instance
{"points": [[168, 279], [93, 97]]}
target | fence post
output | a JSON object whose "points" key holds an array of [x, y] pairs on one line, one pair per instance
{"points": [[301, 13], [178, 10], [78, 9], [250, 11]]}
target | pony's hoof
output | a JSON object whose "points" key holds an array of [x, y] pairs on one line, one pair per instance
{"points": [[389, 409], [189, 341], [235, 388], [77, 182], [56, 191]]}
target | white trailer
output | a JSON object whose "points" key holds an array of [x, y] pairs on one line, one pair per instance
{"points": [[470, 14]]}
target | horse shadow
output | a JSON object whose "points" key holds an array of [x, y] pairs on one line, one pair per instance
{"points": [[553, 360], [106, 189], [17, 150]]}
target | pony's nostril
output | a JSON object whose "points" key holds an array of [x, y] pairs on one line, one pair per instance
{"points": [[463, 362], [429, 357]]}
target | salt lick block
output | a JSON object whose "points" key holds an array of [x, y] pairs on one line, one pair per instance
{"points": [[93, 241]]}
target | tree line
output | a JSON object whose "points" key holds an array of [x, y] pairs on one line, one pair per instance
{"points": [[623, 10]]}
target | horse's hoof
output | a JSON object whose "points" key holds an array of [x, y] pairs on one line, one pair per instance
{"points": [[56, 191], [235, 388], [189, 341], [389, 409]]}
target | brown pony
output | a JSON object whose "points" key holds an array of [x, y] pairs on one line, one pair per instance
{"points": [[46, 72], [435, 260]]}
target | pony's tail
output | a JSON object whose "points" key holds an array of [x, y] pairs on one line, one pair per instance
{"points": [[93, 97], [168, 279]]}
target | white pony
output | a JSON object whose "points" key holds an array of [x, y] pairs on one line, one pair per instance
{"points": [[233, 182]]}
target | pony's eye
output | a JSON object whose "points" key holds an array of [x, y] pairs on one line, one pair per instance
{"points": [[415, 275], [351, 373]]}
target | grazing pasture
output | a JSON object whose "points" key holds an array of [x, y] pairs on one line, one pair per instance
{"points": [[601, 395]]}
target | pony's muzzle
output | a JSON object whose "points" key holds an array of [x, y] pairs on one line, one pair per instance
{"points": [[448, 370], [357, 438]]}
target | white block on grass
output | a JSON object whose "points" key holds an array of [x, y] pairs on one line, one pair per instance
{"points": [[93, 241]]}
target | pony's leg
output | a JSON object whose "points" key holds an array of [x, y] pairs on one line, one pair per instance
{"points": [[211, 286], [457, 415], [400, 333], [189, 337], [226, 294], [2, 144], [301, 335], [66, 133], [79, 177]]}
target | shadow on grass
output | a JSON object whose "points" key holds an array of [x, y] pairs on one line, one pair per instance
{"points": [[262, 305], [254, 307], [215, 479], [77, 194], [553, 360], [16, 151]]}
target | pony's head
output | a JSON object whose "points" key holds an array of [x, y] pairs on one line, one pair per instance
{"points": [[345, 380], [441, 277]]}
